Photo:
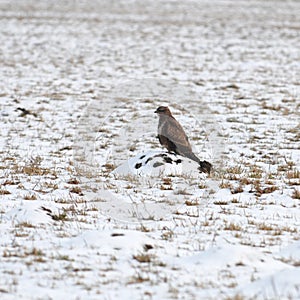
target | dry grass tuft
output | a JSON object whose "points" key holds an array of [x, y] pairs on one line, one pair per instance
{"points": [[143, 258], [30, 197], [166, 184], [296, 194], [4, 192], [295, 174], [233, 227]]}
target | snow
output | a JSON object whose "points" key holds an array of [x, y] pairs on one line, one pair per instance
{"points": [[91, 205], [159, 163], [27, 212], [281, 284]]}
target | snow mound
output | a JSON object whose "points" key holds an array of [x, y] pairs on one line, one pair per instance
{"points": [[275, 286], [159, 163], [291, 253], [107, 241], [231, 255], [30, 213]]}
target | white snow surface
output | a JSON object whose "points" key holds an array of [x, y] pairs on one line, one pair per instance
{"points": [[92, 207]]}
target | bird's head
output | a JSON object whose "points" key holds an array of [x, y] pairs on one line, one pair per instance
{"points": [[163, 110]]}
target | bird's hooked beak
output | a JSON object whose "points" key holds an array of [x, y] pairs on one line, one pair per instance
{"points": [[156, 112]]}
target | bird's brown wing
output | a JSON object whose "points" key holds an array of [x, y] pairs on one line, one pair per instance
{"points": [[175, 133]]}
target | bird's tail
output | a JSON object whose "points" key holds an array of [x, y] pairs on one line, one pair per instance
{"points": [[205, 166]]}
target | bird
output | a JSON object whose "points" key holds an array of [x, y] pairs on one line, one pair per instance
{"points": [[171, 135]]}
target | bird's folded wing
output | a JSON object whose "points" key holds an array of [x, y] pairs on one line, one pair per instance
{"points": [[175, 133]]}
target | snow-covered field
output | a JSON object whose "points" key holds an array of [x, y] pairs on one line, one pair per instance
{"points": [[83, 215]]}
